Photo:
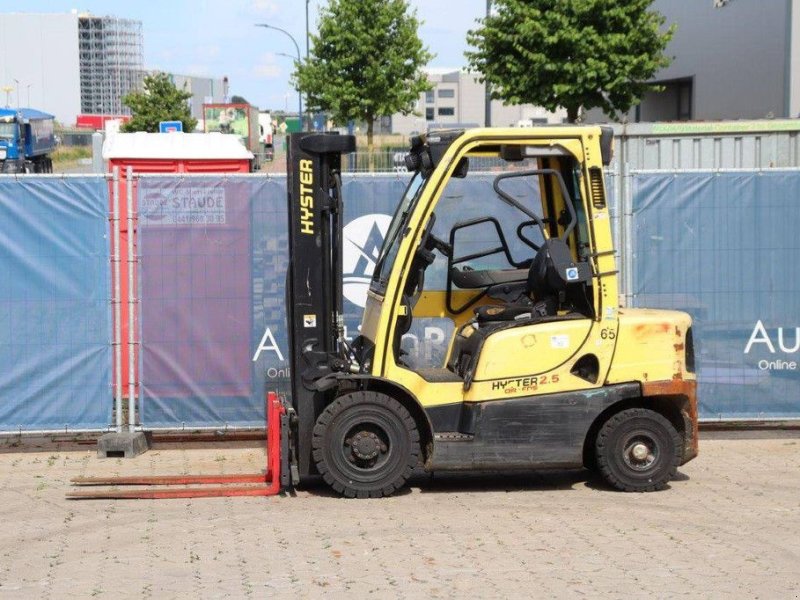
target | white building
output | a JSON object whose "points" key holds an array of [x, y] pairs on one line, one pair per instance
{"points": [[204, 90], [459, 99], [70, 64]]}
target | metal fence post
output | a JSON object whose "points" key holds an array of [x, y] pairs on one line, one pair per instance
{"points": [[627, 234], [116, 302], [131, 305], [97, 152]]}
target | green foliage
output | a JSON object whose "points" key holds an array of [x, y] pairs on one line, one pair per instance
{"points": [[365, 62], [160, 101], [570, 53]]}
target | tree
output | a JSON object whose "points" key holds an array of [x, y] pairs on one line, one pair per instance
{"points": [[160, 101], [570, 53], [365, 62], [238, 100]]}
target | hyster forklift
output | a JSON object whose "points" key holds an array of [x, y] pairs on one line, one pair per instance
{"points": [[544, 368], [505, 234]]}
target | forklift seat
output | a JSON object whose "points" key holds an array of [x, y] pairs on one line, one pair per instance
{"points": [[552, 288], [543, 285]]}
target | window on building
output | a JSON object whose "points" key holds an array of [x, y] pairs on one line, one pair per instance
{"points": [[447, 111], [429, 96], [429, 114], [447, 93]]}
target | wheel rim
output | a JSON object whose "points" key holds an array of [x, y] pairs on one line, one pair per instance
{"points": [[367, 446], [640, 451]]}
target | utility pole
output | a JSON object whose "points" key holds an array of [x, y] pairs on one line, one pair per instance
{"points": [[487, 101], [307, 1], [307, 46]]}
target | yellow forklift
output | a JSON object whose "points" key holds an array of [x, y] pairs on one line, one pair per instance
{"points": [[505, 234], [544, 368]]}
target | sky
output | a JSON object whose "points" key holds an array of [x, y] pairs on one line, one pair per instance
{"points": [[220, 38]]}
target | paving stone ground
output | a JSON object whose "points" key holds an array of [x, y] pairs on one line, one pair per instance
{"points": [[728, 528]]}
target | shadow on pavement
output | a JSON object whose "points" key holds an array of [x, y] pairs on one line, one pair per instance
{"points": [[448, 483]]}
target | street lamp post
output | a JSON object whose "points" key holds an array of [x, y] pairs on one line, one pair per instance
{"points": [[29, 94], [17, 82], [297, 48], [307, 1]]}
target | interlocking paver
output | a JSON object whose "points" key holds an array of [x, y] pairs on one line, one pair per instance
{"points": [[728, 528]]}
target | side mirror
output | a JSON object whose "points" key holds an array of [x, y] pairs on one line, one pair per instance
{"points": [[606, 145]]}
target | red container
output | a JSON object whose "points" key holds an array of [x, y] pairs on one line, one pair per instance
{"points": [[98, 122]]}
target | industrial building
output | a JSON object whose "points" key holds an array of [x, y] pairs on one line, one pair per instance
{"points": [[76, 63], [110, 61], [731, 59], [204, 90], [458, 98]]}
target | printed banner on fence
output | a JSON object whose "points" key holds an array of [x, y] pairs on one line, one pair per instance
{"points": [[55, 314], [213, 318], [723, 247]]}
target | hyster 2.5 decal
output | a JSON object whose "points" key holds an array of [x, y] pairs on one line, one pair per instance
{"points": [[523, 384]]}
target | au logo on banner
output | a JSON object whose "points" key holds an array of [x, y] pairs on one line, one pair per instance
{"points": [[363, 238]]}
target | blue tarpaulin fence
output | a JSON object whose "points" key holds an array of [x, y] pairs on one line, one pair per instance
{"points": [[723, 246], [213, 252], [55, 323], [213, 256]]}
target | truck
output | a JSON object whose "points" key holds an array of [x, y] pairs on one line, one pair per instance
{"points": [[239, 119], [27, 138]]}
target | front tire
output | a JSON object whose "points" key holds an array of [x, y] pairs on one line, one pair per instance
{"points": [[365, 445], [638, 450]]}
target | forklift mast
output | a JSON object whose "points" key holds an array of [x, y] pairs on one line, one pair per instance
{"points": [[313, 280]]}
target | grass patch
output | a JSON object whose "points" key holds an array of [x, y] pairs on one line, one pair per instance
{"points": [[65, 154]]}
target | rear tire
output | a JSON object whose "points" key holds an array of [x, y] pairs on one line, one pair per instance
{"points": [[638, 450], [365, 445]]}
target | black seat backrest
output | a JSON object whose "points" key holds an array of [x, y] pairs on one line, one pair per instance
{"points": [[553, 269]]}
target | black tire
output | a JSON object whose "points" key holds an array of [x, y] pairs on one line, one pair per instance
{"points": [[638, 450], [365, 445]]}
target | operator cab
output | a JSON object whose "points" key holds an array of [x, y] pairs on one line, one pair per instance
{"points": [[508, 245]]}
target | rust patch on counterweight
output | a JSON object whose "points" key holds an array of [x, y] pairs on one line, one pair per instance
{"points": [[686, 388]]}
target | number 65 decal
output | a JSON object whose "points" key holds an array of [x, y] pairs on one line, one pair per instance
{"points": [[608, 334]]}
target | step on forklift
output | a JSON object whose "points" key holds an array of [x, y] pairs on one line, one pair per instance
{"points": [[505, 234], [544, 368]]}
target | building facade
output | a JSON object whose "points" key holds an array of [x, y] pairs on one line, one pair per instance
{"points": [[459, 99], [732, 59], [71, 64], [111, 62], [204, 90]]}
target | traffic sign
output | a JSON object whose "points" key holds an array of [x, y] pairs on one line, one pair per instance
{"points": [[170, 126]]}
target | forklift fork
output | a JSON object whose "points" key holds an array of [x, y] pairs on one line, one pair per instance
{"points": [[276, 476]]}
